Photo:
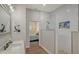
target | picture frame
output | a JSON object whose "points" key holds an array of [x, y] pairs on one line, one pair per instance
{"points": [[65, 24]]}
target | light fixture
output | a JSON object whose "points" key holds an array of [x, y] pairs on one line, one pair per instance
{"points": [[44, 4], [11, 7], [9, 4]]}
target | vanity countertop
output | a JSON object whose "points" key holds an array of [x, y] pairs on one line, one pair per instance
{"points": [[17, 47]]}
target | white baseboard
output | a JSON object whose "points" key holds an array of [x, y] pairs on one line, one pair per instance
{"points": [[45, 49]]}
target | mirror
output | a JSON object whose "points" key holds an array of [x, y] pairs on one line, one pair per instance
{"points": [[4, 21]]}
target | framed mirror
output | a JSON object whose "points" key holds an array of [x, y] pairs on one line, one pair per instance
{"points": [[4, 21]]}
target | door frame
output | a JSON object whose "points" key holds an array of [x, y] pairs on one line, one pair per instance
{"points": [[30, 33]]}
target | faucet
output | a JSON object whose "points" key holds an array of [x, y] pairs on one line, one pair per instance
{"points": [[7, 44], [3, 27], [17, 29]]}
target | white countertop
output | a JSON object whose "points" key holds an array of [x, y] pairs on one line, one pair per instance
{"points": [[17, 47]]}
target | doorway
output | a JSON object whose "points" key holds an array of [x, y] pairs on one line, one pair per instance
{"points": [[34, 33]]}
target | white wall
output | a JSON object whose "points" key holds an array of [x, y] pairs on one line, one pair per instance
{"points": [[47, 41], [75, 39], [34, 15], [47, 37], [63, 36], [19, 18]]}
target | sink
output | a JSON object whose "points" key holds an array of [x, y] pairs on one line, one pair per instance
{"points": [[17, 47]]}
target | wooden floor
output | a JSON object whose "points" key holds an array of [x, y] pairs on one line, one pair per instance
{"points": [[35, 49]]}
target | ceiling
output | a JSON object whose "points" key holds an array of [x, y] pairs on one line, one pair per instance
{"points": [[40, 7], [46, 8]]}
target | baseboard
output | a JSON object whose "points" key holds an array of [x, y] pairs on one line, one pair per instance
{"points": [[45, 49]]}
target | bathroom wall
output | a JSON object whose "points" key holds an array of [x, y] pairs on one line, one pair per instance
{"points": [[47, 35], [19, 18], [75, 39], [34, 15], [63, 36]]}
